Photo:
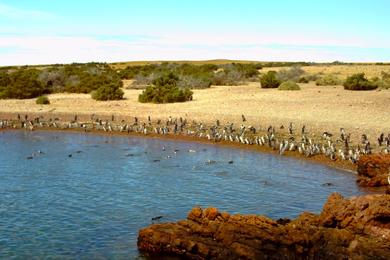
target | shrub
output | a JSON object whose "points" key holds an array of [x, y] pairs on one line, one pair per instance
{"points": [[248, 71], [193, 82], [359, 82], [141, 80], [328, 80], [21, 84], [131, 72], [303, 80], [311, 77], [292, 74], [89, 77], [384, 81], [54, 79], [165, 90], [108, 92], [227, 78], [289, 85], [269, 80], [190, 76], [226, 74], [42, 100]]}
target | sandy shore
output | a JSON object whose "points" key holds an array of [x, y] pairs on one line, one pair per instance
{"points": [[319, 108]]}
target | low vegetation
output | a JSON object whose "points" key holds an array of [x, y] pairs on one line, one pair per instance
{"points": [[294, 73], [289, 85], [193, 76], [42, 100], [22, 83], [193, 82], [105, 83], [359, 82], [108, 92], [382, 82], [269, 80], [164, 89], [328, 80]]}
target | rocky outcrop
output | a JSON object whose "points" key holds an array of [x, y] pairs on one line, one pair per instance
{"points": [[373, 170], [356, 228]]}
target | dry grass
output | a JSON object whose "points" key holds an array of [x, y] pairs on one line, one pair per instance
{"points": [[319, 108], [121, 65], [341, 71]]}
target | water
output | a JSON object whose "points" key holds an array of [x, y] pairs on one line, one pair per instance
{"points": [[92, 204]]}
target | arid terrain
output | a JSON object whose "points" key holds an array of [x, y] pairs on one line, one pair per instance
{"points": [[320, 108], [341, 71]]}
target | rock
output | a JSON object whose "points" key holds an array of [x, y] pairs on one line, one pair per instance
{"points": [[373, 170], [211, 213], [355, 228], [195, 214]]}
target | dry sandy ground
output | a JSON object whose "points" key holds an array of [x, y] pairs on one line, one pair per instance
{"points": [[319, 108], [341, 71]]}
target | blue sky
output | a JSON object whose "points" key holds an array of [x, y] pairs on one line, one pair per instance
{"points": [[49, 31]]}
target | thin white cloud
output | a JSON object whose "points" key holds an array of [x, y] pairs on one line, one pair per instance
{"points": [[268, 38], [12, 12], [22, 49]]}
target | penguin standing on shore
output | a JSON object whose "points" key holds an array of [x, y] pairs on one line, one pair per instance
{"points": [[290, 129], [381, 139]]}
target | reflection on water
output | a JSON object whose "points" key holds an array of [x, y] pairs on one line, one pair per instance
{"points": [[86, 196]]}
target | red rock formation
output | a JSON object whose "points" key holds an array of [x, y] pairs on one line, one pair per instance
{"points": [[373, 170], [358, 228]]}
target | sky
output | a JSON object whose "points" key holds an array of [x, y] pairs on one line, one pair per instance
{"points": [[54, 31]]}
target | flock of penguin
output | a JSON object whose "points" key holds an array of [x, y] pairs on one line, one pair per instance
{"points": [[334, 146]]}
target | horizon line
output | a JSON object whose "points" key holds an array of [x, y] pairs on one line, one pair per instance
{"points": [[335, 62]]}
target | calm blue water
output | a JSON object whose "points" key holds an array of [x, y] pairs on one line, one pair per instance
{"points": [[92, 204]]}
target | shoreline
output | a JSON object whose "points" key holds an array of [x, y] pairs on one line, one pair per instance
{"points": [[319, 159], [345, 166], [335, 233], [319, 108]]}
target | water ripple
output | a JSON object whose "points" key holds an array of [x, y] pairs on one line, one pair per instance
{"points": [[92, 204]]}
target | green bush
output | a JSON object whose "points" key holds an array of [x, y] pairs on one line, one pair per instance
{"points": [[226, 74], [328, 80], [289, 85], [130, 72], [165, 90], [108, 92], [269, 80], [359, 82], [84, 78], [22, 83], [42, 100], [191, 76]]}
